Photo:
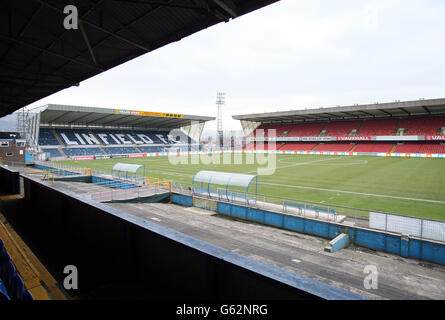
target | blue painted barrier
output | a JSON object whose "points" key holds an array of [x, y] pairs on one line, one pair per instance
{"points": [[182, 199], [415, 248], [62, 172]]}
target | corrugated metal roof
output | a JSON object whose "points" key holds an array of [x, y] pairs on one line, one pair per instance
{"points": [[369, 111], [55, 114], [39, 57]]}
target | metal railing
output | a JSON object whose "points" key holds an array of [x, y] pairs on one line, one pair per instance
{"points": [[395, 223], [61, 168], [130, 194], [425, 228], [47, 175]]}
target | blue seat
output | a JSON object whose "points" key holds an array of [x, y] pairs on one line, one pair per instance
{"points": [[3, 292], [8, 275], [18, 288]]}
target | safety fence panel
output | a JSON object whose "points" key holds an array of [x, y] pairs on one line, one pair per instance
{"points": [[422, 228]]}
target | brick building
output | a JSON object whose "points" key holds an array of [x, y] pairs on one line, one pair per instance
{"points": [[12, 148]]}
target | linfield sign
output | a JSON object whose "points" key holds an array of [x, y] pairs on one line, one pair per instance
{"points": [[148, 113]]}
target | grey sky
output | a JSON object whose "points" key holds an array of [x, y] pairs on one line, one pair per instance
{"points": [[290, 55]]}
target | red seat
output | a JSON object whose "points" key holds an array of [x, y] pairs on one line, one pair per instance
{"points": [[342, 147], [374, 147], [378, 128], [423, 126], [298, 146], [341, 128], [307, 130]]}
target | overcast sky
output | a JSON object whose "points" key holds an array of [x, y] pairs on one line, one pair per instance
{"points": [[289, 55]]}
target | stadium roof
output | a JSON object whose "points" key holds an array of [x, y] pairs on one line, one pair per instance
{"points": [[89, 116], [39, 57], [356, 112]]}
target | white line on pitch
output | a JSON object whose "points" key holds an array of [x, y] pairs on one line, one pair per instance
{"points": [[352, 192]]}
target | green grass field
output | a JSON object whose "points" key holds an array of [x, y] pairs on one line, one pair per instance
{"points": [[407, 186]]}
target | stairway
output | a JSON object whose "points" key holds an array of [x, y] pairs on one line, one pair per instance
{"points": [[62, 152], [57, 137], [360, 128], [102, 149], [398, 126], [321, 134]]}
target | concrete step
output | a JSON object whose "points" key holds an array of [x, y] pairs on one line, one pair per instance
{"points": [[338, 243]]}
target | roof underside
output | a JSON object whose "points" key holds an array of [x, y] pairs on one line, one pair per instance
{"points": [[370, 111], [39, 57], [89, 116]]}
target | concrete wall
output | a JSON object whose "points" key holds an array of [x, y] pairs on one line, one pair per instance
{"points": [[427, 250]]}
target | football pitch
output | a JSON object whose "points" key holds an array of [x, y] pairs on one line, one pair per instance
{"points": [[407, 186]]}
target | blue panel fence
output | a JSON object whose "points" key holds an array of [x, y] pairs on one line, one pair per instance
{"points": [[378, 240]]}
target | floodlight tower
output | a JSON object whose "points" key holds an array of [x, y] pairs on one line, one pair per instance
{"points": [[220, 101], [22, 122]]}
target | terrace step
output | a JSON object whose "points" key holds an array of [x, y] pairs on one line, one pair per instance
{"points": [[338, 243], [53, 131]]}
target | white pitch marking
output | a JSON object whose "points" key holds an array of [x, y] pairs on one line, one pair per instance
{"points": [[296, 260], [316, 162], [352, 192], [155, 219]]}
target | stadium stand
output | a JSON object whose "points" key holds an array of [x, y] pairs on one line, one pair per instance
{"points": [[341, 128], [47, 138], [152, 149], [341, 147], [262, 146], [423, 126], [11, 283], [52, 152], [120, 150], [298, 146], [407, 148], [374, 147], [280, 130], [111, 140], [432, 148], [378, 128], [307, 130], [70, 137], [82, 151], [419, 148]]}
